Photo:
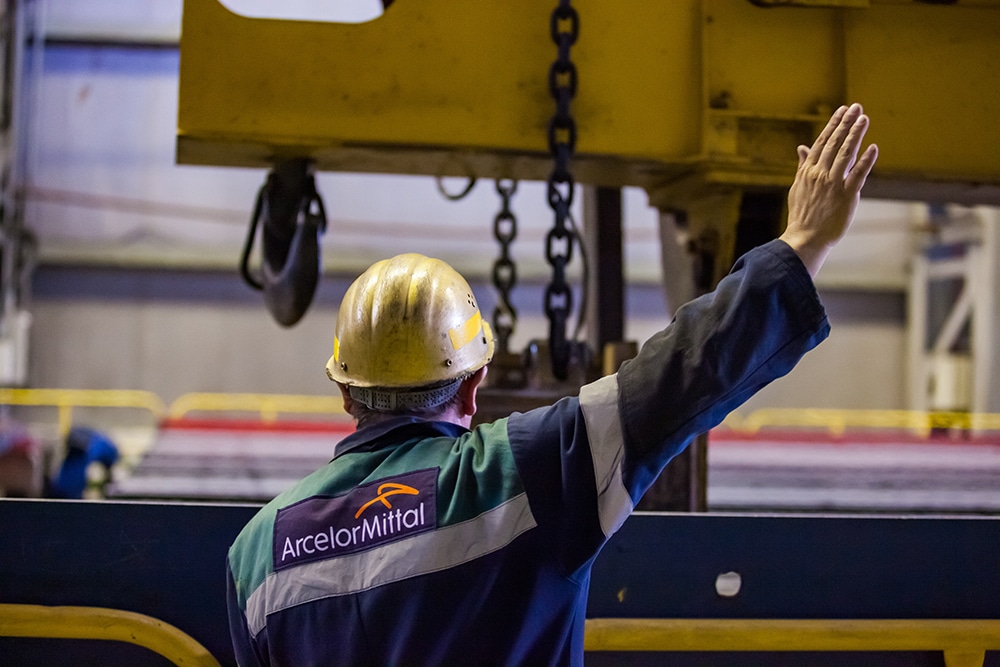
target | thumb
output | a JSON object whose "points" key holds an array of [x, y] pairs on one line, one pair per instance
{"points": [[803, 153]]}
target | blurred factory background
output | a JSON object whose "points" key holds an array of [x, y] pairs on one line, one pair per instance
{"points": [[135, 284], [126, 253], [188, 187]]}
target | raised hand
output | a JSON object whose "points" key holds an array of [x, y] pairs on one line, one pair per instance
{"points": [[827, 187]]}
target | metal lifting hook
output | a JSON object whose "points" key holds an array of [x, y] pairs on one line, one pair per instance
{"points": [[293, 218]]}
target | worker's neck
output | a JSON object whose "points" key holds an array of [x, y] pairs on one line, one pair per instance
{"points": [[450, 416]]}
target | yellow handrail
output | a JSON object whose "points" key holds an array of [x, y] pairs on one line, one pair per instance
{"points": [[964, 642], [28, 620], [838, 421], [66, 399], [267, 405]]}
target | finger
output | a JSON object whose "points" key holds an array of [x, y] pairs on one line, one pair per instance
{"points": [[859, 173], [833, 145], [849, 150], [824, 135]]}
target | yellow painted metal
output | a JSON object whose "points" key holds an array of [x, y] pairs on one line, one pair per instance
{"points": [[837, 422], [25, 620], [715, 93], [429, 87], [932, 85], [67, 399], [268, 406], [964, 642]]}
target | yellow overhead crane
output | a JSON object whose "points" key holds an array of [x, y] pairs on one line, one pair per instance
{"points": [[702, 103], [695, 101]]}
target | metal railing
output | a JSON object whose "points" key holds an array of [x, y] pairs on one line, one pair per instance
{"points": [[837, 422], [65, 400], [28, 620], [963, 642], [268, 406]]}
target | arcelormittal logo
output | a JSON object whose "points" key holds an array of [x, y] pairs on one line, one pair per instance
{"points": [[384, 491], [368, 516]]}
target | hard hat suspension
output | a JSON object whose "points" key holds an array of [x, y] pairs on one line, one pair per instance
{"points": [[397, 400]]}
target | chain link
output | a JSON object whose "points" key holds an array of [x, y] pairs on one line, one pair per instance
{"points": [[504, 269], [564, 28]]}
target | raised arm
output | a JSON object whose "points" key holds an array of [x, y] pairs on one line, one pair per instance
{"points": [[827, 186], [720, 349], [758, 322]]}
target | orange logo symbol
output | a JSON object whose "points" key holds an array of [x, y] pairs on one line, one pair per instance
{"points": [[384, 491]]}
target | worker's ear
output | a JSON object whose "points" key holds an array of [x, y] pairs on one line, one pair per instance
{"points": [[348, 401], [467, 392]]}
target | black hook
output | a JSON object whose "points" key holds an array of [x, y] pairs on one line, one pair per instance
{"points": [[293, 217]]}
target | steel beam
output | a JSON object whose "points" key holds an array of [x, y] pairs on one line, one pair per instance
{"points": [[716, 90]]}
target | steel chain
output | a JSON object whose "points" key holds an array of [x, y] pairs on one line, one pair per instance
{"points": [[564, 28], [504, 269]]}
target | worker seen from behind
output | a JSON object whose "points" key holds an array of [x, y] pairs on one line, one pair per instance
{"points": [[424, 542]]}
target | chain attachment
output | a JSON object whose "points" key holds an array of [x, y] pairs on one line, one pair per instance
{"points": [[562, 134], [462, 194], [504, 269]]}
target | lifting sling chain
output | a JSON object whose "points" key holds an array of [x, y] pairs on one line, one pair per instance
{"points": [[564, 28]]}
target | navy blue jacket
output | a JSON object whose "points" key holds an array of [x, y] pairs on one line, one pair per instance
{"points": [[425, 543]]}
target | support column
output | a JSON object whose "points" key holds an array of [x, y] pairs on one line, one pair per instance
{"points": [[952, 364], [602, 237], [20, 27], [702, 232], [698, 238], [986, 390]]}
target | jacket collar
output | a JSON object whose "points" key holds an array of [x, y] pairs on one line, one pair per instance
{"points": [[395, 430]]}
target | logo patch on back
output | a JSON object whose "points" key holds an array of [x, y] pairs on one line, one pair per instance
{"points": [[368, 516]]}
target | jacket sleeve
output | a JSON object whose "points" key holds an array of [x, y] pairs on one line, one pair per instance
{"points": [[602, 450], [720, 349], [244, 646]]}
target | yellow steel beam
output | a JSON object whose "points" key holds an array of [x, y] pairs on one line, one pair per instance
{"points": [[930, 80], [429, 87], [701, 92]]}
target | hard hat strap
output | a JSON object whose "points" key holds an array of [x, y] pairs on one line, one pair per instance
{"points": [[392, 400]]}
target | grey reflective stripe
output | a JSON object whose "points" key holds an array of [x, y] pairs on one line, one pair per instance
{"points": [[599, 403], [439, 549]]}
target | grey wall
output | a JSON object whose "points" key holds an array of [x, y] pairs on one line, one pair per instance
{"points": [[173, 332]]}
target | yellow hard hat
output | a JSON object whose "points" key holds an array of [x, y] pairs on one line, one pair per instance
{"points": [[407, 322]]}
